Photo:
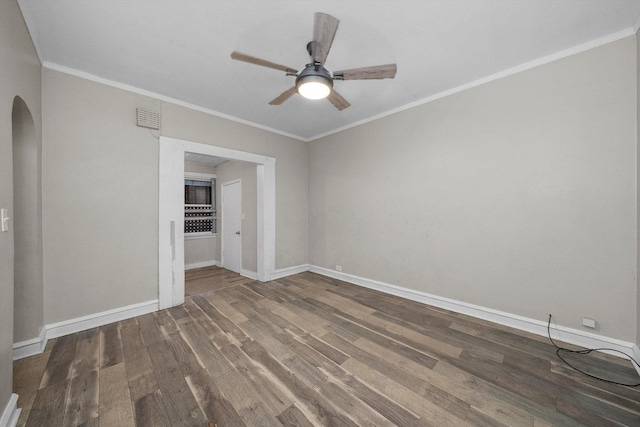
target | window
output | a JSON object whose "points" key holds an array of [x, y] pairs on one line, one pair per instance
{"points": [[199, 205]]}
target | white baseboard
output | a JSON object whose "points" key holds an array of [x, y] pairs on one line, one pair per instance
{"points": [[66, 327], [277, 274], [71, 326], [538, 327], [30, 347], [289, 271], [11, 412], [635, 352], [248, 273], [201, 264]]}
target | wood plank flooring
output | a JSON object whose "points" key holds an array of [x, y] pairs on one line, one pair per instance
{"points": [[306, 351], [201, 280]]}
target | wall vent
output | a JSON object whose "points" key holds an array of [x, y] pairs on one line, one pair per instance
{"points": [[147, 118]]}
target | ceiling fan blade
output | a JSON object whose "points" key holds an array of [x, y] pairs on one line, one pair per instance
{"points": [[387, 71], [324, 30], [337, 100], [284, 96], [257, 61]]}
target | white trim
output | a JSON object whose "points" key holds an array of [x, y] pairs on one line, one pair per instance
{"points": [[30, 347], [199, 176], [200, 235], [289, 271], [266, 221], [248, 273], [92, 77], [78, 324], [11, 412], [201, 264], [635, 352], [499, 75], [561, 333], [170, 224]]}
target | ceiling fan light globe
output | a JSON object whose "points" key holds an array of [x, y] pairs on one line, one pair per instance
{"points": [[314, 82], [314, 89]]}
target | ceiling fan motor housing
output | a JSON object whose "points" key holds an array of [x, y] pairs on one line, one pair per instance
{"points": [[314, 72]]}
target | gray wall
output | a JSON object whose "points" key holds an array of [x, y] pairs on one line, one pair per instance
{"points": [[20, 71], [200, 168], [100, 195], [246, 172], [201, 249], [517, 195], [100, 199], [637, 92]]}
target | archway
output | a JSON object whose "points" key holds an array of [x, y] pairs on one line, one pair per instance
{"points": [[27, 228]]}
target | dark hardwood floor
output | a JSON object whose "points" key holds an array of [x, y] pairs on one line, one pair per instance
{"points": [[201, 280], [309, 350]]}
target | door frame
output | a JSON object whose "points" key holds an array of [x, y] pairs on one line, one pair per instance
{"points": [[171, 213], [222, 185]]}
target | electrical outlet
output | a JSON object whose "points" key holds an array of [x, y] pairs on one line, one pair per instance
{"points": [[338, 267], [589, 323]]}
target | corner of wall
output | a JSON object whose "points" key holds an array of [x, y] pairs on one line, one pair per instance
{"points": [[637, 188]]}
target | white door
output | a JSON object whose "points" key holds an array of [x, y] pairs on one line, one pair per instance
{"points": [[231, 222]]}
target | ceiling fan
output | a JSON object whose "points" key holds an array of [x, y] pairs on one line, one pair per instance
{"points": [[315, 81]]}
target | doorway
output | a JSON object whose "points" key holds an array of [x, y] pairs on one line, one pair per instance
{"points": [[231, 226], [27, 229], [171, 213]]}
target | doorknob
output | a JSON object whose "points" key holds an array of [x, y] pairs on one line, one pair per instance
{"points": [[238, 233]]}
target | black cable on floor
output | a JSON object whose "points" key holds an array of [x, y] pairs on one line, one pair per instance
{"points": [[560, 350]]}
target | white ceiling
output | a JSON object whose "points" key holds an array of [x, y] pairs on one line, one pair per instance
{"points": [[179, 49]]}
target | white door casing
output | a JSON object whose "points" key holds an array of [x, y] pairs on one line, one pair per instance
{"points": [[170, 226], [231, 244], [171, 213]]}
